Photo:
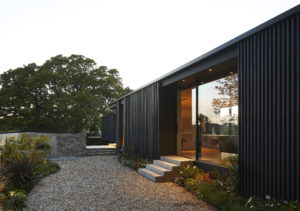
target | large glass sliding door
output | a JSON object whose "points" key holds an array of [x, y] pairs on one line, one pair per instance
{"points": [[207, 120], [218, 119]]}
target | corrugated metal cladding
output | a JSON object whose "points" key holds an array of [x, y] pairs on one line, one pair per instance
{"points": [[142, 115], [269, 78]]}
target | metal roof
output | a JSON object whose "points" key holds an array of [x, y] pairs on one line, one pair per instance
{"points": [[224, 46]]}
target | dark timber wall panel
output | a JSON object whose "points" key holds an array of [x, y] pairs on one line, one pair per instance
{"points": [[109, 128], [167, 121], [269, 78], [142, 120]]}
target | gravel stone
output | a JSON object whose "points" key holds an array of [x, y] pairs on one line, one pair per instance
{"points": [[101, 183]]}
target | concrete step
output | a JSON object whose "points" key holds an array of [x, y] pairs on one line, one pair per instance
{"points": [[106, 154], [166, 165], [168, 175], [177, 160], [158, 169], [151, 175], [94, 152], [112, 152], [108, 149], [164, 170]]}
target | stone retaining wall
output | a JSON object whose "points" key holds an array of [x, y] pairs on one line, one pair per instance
{"points": [[63, 144]]}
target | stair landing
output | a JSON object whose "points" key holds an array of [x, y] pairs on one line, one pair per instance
{"points": [[96, 150], [165, 169]]}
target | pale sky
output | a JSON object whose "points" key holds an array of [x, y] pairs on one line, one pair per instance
{"points": [[142, 39]]}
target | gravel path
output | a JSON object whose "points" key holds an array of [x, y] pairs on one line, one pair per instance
{"points": [[101, 183]]}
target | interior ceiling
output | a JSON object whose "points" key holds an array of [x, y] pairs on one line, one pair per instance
{"points": [[213, 73]]}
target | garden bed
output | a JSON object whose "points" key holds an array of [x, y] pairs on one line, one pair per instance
{"points": [[23, 165], [221, 189]]}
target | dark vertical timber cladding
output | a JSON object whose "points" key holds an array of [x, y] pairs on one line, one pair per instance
{"points": [[167, 121], [142, 121], [269, 97], [109, 128], [118, 124]]}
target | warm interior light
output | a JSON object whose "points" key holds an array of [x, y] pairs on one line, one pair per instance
{"points": [[183, 80], [209, 69]]}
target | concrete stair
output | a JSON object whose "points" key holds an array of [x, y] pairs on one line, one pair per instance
{"points": [[97, 152], [165, 169]]}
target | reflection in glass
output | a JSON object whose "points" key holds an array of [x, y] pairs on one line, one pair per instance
{"points": [[218, 119]]}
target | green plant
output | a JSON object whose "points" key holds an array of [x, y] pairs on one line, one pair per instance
{"points": [[221, 189], [271, 204], [13, 200], [23, 164], [20, 160], [187, 172], [131, 159], [234, 178], [212, 192], [229, 180], [192, 184], [47, 167], [20, 172]]}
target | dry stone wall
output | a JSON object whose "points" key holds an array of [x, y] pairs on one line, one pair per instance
{"points": [[63, 144]]}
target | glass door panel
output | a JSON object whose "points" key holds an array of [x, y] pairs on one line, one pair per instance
{"points": [[218, 119]]}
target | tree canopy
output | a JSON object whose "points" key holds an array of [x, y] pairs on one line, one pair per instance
{"points": [[65, 94]]}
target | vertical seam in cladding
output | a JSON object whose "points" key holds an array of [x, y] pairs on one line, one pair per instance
{"points": [[260, 113], [239, 110], [245, 114], [298, 107], [255, 132], [278, 141], [268, 97], [265, 141], [282, 112], [252, 116], [288, 109], [263, 138], [248, 154], [297, 137], [272, 117]]}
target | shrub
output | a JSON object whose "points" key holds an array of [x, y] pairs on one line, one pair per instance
{"points": [[23, 164], [13, 200], [212, 192], [221, 189], [186, 174], [131, 159], [234, 179], [192, 184], [271, 204], [229, 180], [20, 160], [46, 168], [20, 172]]}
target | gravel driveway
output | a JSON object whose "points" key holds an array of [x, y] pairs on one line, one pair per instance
{"points": [[101, 183]]}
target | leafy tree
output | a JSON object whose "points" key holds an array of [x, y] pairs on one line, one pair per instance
{"points": [[65, 94], [228, 91]]}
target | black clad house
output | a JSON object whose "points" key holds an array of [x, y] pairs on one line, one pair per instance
{"points": [[242, 97]]}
